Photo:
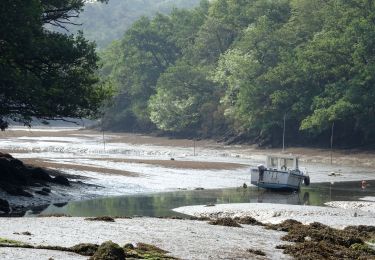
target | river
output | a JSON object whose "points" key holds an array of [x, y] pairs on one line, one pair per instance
{"points": [[130, 174]]}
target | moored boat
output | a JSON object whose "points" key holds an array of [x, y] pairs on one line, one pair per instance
{"points": [[279, 173]]}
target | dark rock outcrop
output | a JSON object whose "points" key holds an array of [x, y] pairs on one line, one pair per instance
{"points": [[4, 206], [15, 177], [59, 179]]}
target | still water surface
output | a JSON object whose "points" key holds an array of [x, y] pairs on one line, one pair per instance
{"points": [[161, 204]]}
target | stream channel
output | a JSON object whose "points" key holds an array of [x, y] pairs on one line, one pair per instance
{"points": [[161, 204]]}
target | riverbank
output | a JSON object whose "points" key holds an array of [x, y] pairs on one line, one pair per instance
{"points": [[130, 164], [116, 164]]}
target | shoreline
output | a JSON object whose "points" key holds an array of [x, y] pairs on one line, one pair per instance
{"points": [[136, 164], [159, 164]]}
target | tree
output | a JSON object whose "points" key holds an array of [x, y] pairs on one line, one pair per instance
{"points": [[147, 50], [182, 92], [45, 74]]}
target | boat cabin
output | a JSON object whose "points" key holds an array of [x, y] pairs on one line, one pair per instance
{"points": [[282, 163]]}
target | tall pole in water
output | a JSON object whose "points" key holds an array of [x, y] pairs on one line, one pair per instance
{"points": [[194, 146], [103, 136], [333, 126], [284, 132], [103, 141]]}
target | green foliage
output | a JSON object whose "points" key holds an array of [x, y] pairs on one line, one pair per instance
{"points": [[242, 66], [106, 23], [45, 74], [148, 48], [181, 93]]}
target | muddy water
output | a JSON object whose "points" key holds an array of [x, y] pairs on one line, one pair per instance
{"points": [[160, 204]]}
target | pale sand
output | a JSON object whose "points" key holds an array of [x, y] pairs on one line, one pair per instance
{"points": [[185, 239], [276, 213], [368, 206]]}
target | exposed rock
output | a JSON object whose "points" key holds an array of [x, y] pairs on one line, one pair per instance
{"points": [[85, 249], [150, 248], [15, 190], [4, 206], [46, 190], [229, 222], [256, 252], [61, 180], [248, 221], [15, 176], [40, 174], [318, 241], [109, 251], [101, 218], [129, 246], [41, 192]]}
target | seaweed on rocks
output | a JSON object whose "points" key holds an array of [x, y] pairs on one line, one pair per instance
{"points": [[109, 251], [318, 241], [228, 222], [256, 252], [248, 221], [101, 218]]}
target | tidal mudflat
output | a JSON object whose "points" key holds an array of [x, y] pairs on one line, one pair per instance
{"points": [[135, 165]]}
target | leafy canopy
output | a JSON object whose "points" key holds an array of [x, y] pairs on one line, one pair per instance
{"points": [[45, 74]]}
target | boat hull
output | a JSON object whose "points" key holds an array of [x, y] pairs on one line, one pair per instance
{"points": [[277, 180]]}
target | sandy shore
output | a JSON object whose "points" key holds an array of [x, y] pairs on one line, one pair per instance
{"points": [[276, 213], [184, 239]]}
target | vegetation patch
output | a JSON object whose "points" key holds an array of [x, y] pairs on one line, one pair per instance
{"points": [[318, 241], [200, 218], [228, 222], [106, 251], [256, 252], [248, 221], [109, 251], [85, 249], [101, 218], [4, 242], [146, 251], [54, 215]]}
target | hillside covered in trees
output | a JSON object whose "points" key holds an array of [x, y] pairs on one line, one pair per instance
{"points": [[105, 23], [236, 69]]}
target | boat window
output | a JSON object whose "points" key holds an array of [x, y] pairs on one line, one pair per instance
{"points": [[286, 163], [273, 162]]}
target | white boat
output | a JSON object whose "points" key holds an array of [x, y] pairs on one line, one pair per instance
{"points": [[280, 173]]}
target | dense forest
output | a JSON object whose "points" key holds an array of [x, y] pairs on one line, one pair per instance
{"points": [[105, 23], [237, 68]]}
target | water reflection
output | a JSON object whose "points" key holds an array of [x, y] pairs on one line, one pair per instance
{"points": [[160, 204]]}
